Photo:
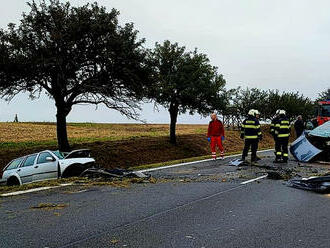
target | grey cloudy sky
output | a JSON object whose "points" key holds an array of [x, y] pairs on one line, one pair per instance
{"points": [[282, 44]]}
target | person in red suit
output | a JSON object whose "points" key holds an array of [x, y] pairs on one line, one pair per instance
{"points": [[215, 135]]}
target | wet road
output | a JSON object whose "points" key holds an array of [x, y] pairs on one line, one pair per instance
{"points": [[198, 205]]}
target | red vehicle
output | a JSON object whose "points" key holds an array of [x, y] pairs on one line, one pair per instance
{"points": [[323, 112]]}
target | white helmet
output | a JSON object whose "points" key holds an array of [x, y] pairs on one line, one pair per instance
{"points": [[282, 112], [256, 112], [278, 111], [251, 112]]}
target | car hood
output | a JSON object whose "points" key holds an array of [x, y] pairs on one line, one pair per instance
{"points": [[81, 153]]}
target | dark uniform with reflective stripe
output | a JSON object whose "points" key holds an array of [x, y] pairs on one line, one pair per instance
{"points": [[282, 133], [251, 133], [272, 126], [272, 130]]}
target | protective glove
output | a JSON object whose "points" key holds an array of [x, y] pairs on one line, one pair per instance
{"points": [[209, 139], [223, 138]]}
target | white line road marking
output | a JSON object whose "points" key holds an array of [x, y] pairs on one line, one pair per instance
{"points": [[33, 190], [255, 179], [194, 162]]}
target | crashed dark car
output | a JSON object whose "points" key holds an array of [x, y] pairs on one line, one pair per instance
{"points": [[46, 165], [313, 145]]}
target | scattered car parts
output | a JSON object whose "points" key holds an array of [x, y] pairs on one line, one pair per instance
{"points": [[316, 184], [112, 173]]}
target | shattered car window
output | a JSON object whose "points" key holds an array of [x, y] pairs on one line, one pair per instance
{"points": [[58, 154]]}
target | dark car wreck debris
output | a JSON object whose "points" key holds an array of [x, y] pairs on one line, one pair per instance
{"points": [[313, 145], [316, 184], [112, 173]]}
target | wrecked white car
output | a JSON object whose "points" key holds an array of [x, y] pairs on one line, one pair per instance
{"points": [[46, 165]]}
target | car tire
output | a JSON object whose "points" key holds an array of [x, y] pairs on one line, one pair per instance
{"points": [[12, 181]]}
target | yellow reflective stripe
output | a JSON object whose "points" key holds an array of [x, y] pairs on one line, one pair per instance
{"points": [[278, 153], [283, 135], [285, 122], [276, 132], [277, 125], [285, 155], [251, 126], [282, 127], [259, 133], [250, 122], [251, 137]]}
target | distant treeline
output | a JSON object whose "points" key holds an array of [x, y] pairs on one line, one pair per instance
{"points": [[239, 101]]}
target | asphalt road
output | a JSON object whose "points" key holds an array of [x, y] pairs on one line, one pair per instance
{"points": [[181, 212]]}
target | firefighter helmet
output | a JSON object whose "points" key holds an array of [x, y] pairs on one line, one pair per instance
{"points": [[251, 112], [282, 112], [256, 112]]}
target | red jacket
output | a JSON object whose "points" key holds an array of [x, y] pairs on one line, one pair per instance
{"points": [[215, 129]]}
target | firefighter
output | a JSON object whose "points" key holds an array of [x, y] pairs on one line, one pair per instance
{"points": [[257, 115], [215, 135], [272, 127], [282, 133], [251, 133], [273, 123]]}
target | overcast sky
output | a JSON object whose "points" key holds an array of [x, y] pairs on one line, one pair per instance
{"points": [[282, 44]]}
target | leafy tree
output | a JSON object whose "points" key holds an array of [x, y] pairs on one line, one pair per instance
{"points": [[295, 105], [186, 82], [324, 95], [77, 55], [251, 99], [267, 102]]}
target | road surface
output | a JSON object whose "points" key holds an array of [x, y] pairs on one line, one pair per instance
{"points": [[198, 205]]}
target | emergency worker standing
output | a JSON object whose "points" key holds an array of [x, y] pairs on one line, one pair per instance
{"points": [[272, 127], [215, 135], [251, 133], [282, 133]]}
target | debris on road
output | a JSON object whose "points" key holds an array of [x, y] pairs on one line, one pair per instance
{"points": [[50, 206], [112, 173], [316, 184], [280, 174], [236, 162]]}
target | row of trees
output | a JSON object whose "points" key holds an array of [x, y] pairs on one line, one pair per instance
{"points": [[82, 55], [240, 101]]}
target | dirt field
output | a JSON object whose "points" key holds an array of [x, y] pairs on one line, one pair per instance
{"points": [[117, 145]]}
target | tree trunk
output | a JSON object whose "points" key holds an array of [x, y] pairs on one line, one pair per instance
{"points": [[173, 115], [62, 136]]}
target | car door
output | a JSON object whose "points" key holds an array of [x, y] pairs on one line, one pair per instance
{"points": [[26, 170], [12, 168], [45, 167]]}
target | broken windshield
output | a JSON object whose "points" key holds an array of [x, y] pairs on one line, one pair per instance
{"points": [[58, 154]]}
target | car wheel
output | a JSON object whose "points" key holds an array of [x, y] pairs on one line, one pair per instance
{"points": [[12, 181]]}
